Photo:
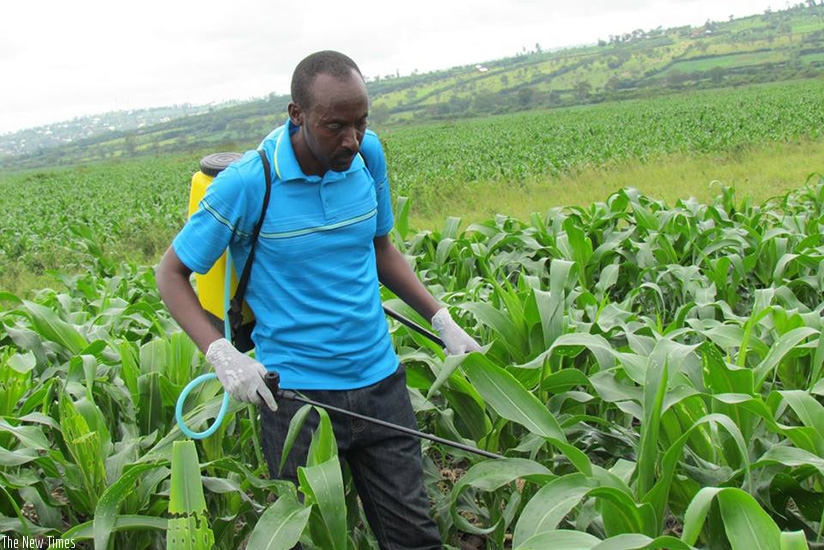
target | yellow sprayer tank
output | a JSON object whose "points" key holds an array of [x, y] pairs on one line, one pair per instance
{"points": [[210, 287]]}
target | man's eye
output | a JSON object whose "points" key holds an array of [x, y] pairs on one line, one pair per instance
{"points": [[335, 127]]}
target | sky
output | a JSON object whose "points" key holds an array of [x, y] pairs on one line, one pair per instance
{"points": [[60, 59]]}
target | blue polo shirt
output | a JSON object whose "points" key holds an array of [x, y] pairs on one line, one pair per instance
{"points": [[314, 283]]}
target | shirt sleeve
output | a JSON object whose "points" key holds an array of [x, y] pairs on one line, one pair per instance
{"points": [[216, 222], [376, 162]]}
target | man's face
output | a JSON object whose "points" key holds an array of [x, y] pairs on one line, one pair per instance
{"points": [[333, 126]]}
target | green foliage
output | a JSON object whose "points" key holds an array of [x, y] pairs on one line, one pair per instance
{"points": [[189, 529], [280, 525], [131, 210], [652, 374], [89, 379], [112, 213], [666, 371], [435, 163]]}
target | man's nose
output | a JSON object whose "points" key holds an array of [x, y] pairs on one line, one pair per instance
{"points": [[350, 140]]}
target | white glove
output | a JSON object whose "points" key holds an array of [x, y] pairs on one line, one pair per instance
{"points": [[455, 339], [241, 376]]}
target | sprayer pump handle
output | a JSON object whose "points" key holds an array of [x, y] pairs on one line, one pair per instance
{"points": [[272, 380]]}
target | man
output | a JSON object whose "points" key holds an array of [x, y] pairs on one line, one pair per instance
{"points": [[323, 247]]}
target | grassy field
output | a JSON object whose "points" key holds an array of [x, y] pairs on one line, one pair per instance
{"points": [[757, 172], [726, 61]]}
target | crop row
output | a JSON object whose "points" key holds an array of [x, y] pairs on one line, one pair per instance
{"points": [[136, 206], [442, 159]]}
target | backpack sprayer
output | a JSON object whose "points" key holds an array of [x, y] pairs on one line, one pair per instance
{"points": [[209, 294]]}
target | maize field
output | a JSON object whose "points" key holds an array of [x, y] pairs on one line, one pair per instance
{"points": [[651, 373], [136, 206], [431, 164]]}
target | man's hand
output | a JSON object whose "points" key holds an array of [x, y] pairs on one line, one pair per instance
{"points": [[455, 339], [240, 375]]}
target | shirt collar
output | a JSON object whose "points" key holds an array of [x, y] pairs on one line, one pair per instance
{"points": [[286, 164]]}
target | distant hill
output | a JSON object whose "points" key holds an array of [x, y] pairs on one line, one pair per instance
{"points": [[47, 136], [774, 46]]}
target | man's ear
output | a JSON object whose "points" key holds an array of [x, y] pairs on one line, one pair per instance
{"points": [[295, 113]]}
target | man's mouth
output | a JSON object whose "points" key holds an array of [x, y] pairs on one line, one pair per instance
{"points": [[344, 161]]}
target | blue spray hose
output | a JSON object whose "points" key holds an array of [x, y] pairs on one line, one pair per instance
{"points": [[227, 332], [182, 399]]}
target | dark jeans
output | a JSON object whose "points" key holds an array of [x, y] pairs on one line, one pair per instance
{"points": [[385, 464]]}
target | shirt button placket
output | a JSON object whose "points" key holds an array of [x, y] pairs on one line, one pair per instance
{"points": [[324, 203]]}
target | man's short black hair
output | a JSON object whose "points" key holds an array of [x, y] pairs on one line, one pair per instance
{"points": [[328, 62]]}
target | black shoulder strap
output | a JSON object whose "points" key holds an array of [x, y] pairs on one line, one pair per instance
{"points": [[236, 304]]}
